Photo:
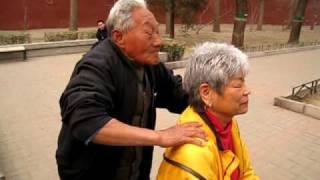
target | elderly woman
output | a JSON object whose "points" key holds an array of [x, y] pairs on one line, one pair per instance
{"points": [[215, 81]]}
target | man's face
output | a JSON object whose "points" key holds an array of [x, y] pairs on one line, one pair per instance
{"points": [[101, 25], [142, 41]]}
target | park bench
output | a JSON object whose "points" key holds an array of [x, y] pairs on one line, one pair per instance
{"points": [[14, 49]]}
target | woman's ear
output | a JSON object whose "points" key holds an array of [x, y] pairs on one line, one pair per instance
{"points": [[206, 94], [118, 38]]}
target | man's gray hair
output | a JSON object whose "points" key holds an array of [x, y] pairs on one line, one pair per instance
{"points": [[215, 64], [120, 14]]}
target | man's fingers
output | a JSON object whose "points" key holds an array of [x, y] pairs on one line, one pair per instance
{"points": [[183, 133], [195, 132], [195, 141], [191, 124], [201, 134]]}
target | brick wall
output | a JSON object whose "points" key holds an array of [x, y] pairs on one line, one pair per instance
{"points": [[32, 14]]}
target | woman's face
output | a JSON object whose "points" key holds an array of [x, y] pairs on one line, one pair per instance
{"points": [[234, 99]]}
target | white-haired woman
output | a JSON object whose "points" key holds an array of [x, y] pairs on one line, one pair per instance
{"points": [[215, 81]]}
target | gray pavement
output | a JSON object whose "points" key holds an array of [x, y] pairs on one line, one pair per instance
{"points": [[283, 144]]}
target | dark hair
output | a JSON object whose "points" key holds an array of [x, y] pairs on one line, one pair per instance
{"points": [[100, 20]]}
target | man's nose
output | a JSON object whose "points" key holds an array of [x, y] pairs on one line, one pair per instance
{"points": [[157, 40]]}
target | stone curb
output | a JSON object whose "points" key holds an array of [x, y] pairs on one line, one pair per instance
{"points": [[299, 107], [312, 110], [80, 46], [50, 48]]}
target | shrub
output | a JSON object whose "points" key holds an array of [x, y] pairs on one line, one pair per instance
{"points": [[174, 49], [87, 35], [14, 39], [60, 36]]}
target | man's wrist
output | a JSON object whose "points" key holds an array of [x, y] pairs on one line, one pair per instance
{"points": [[158, 138]]}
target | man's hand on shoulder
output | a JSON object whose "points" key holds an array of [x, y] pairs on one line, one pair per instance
{"points": [[182, 134]]}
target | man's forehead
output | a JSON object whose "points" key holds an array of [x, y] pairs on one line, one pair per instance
{"points": [[144, 16], [150, 23]]}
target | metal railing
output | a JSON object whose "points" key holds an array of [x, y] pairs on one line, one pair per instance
{"points": [[311, 87]]}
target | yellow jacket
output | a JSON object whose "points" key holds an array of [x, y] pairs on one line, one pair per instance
{"points": [[206, 162]]}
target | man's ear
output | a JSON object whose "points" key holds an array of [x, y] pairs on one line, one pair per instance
{"points": [[118, 38], [205, 93]]}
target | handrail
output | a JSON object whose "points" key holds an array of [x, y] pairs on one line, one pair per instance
{"points": [[311, 86]]}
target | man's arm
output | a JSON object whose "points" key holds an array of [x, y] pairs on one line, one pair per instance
{"points": [[88, 99], [170, 92], [98, 35], [120, 134]]}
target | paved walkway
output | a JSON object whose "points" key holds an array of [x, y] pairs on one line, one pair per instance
{"points": [[283, 144]]}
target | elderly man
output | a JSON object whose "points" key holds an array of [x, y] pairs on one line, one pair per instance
{"points": [[215, 81], [108, 107]]}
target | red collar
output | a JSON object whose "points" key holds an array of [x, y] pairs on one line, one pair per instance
{"points": [[222, 132]]}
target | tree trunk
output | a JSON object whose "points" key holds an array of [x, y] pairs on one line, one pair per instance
{"points": [[25, 18], [167, 21], [315, 14], [73, 15], [171, 15], [239, 23], [297, 21], [261, 15], [216, 17], [313, 22], [292, 8]]}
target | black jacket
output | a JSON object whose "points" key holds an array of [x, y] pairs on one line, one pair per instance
{"points": [[102, 34], [104, 86]]}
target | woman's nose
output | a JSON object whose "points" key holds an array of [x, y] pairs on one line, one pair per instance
{"points": [[247, 91]]}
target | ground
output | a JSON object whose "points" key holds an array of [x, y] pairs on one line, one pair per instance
{"points": [[283, 144]]}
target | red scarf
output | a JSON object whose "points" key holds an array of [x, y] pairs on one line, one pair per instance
{"points": [[225, 138]]}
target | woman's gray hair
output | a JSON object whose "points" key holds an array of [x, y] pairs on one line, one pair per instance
{"points": [[120, 15], [215, 64]]}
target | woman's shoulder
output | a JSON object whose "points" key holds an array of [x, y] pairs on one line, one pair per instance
{"points": [[189, 115], [199, 159], [190, 153]]}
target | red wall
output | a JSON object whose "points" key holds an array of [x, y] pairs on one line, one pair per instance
{"points": [[32, 14], [11, 14]]}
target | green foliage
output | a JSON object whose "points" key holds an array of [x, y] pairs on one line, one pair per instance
{"points": [[60, 36], [14, 39], [174, 49], [87, 35], [68, 35]]}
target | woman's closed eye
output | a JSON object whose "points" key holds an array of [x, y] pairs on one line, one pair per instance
{"points": [[238, 84]]}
